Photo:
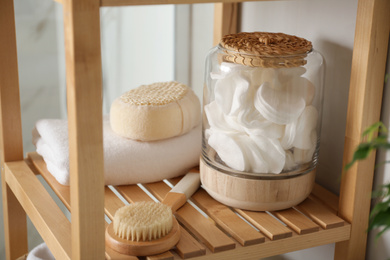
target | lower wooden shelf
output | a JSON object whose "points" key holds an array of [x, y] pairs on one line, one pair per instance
{"points": [[210, 230]]}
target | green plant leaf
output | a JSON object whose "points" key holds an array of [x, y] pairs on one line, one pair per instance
{"points": [[380, 145], [380, 207], [364, 149], [372, 129], [381, 139], [362, 152], [380, 219]]}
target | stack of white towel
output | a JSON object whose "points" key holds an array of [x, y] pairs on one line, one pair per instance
{"points": [[262, 119], [126, 161]]}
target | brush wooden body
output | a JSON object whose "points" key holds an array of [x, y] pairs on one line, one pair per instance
{"points": [[143, 248], [176, 198]]}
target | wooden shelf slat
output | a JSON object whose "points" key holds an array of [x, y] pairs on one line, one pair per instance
{"points": [[133, 193], [111, 202], [47, 217], [163, 256], [296, 221], [328, 198], [267, 224], [113, 255], [204, 229], [226, 218], [188, 246], [320, 214], [158, 189]]}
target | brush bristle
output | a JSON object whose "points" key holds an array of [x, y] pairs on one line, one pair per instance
{"points": [[143, 221]]}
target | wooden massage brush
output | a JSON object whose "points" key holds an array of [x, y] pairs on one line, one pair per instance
{"points": [[149, 228]]}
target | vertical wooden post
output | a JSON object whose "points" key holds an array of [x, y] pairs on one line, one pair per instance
{"points": [[225, 20], [15, 224], [364, 106], [84, 93]]}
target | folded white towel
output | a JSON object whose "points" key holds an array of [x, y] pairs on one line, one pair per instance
{"points": [[126, 161], [40, 252]]}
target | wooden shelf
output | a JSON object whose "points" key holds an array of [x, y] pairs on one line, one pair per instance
{"points": [[212, 230]]}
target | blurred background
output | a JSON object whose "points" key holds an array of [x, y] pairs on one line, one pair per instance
{"points": [[142, 45]]}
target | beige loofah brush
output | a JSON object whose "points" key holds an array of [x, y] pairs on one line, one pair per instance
{"points": [[147, 228]]}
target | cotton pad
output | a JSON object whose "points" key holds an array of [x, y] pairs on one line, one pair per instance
{"points": [[290, 161], [304, 156], [248, 121], [278, 105], [231, 93], [289, 134], [228, 149], [218, 121], [255, 161], [306, 124], [273, 153], [254, 123], [301, 87], [248, 153]]}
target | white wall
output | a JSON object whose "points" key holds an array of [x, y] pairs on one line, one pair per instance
{"points": [[330, 26], [201, 43], [137, 48]]}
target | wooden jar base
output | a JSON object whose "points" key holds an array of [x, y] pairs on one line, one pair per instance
{"points": [[256, 194]]}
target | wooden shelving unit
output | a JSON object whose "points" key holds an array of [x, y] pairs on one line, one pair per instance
{"points": [[210, 229]]}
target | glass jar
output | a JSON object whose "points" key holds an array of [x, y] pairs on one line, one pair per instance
{"points": [[262, 107]]}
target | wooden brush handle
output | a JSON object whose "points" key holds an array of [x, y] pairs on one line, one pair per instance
{"points": [[188, 184], [182, 191], [175, 200]]}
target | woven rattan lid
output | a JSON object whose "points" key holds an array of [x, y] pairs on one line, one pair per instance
{"points": [[264, 49]]}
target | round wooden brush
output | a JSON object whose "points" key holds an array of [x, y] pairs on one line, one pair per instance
{"points": [[148, 228]]}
